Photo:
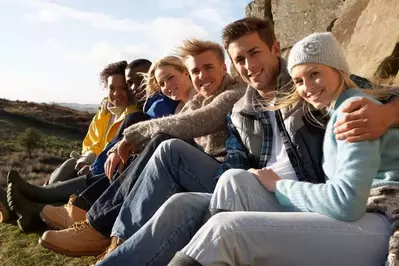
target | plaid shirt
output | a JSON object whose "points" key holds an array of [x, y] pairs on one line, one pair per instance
{"points": [[237, 155]]}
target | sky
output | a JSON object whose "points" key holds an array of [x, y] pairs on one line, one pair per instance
{"points": [[53, 51]]}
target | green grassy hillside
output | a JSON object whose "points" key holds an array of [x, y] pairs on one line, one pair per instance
{"points": [[61, 130]]}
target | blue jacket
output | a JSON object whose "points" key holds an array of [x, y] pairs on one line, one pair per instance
{"points": [[159, 105]]}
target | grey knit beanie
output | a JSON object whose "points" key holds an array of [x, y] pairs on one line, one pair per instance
{"points": [[320, 48]]}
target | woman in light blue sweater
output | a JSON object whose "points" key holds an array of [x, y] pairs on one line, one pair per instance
{"points": [[299, 223]]}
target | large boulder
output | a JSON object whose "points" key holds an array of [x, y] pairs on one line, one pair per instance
{"points": [[369, 33]]}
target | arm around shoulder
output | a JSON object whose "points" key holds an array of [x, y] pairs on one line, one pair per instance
{"points": [[190, 124]]}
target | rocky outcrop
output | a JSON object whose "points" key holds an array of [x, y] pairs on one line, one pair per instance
{"points": [[369, 33], [259, 9], [367, 29]]}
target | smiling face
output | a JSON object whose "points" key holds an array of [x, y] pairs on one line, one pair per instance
{"points": [[117, 90], [207, 71], [173, 83], [257, 64], [316, 83]]}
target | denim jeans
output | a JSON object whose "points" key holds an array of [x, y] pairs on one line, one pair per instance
{"points": [[169, 230], [175, 166], [105, 209], [97, 185], [260, 232]]}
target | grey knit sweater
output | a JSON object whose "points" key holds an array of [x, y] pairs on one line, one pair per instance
{"points": [[202, 119]]}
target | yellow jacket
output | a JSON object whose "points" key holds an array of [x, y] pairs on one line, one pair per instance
{"points": [[100, 131]]}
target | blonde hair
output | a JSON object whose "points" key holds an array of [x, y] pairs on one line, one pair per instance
{"points": [[289, 99], [150, 81], [193, 47]]}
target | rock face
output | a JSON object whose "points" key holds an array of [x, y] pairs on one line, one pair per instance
{"points": [[260, 9], [367, 29], [369, 33], [295, 19]]}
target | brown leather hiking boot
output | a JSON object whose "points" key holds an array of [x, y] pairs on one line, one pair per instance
{"points": [[115, 242], [81, 239], [63, 217]]}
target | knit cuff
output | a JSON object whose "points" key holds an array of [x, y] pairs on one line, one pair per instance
{"points": [[282, 188], [138, 137], [87, 158]]}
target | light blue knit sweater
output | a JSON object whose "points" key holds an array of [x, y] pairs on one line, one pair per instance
{"points": [[351, 169]]}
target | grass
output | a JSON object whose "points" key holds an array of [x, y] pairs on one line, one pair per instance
{"points": [[16, 247], [20, 249]]}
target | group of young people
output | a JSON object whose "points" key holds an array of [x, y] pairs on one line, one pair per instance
{"points": [[183, 165]]}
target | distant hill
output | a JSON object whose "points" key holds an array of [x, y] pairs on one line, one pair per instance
{"points": [[62, 130], [91, 108], [47, 116]]}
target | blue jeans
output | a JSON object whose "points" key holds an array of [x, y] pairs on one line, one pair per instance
{"points": [[168, 231], [105, 209], [175, 166]]}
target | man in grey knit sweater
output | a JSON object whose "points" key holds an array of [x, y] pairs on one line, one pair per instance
{"points": [[175, 166]]}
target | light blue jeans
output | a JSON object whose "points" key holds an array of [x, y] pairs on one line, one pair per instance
{"points": [[271, 235]]}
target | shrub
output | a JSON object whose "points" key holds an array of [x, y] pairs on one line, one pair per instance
{"points": [[30, 140]]}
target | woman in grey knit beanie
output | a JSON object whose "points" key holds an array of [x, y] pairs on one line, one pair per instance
{"points": [[320, 75]]}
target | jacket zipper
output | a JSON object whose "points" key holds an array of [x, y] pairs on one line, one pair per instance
{"points": [[285, 132]]}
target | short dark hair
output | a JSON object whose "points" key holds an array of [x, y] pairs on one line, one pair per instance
{"points": [[139, 63], [112, 69], [239, 28]]}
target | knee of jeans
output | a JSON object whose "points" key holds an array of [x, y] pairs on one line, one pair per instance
{"points": [[177, 204], [220, 223], [71, 162], [233, 176], [171, 144]]}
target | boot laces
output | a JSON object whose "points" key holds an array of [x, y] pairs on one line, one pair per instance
{"points": [[80, 226], [72, 198]]}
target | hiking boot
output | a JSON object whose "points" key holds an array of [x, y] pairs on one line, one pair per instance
{"points": [[81, 239], [63, 217], [115, 242]]}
